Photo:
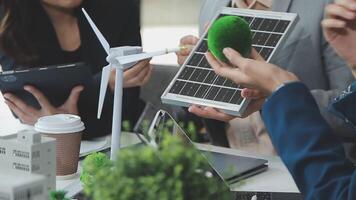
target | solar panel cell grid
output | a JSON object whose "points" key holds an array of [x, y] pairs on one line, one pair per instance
{"points": [[203, 47], [198, 79], [201, 91], [195, 60]]}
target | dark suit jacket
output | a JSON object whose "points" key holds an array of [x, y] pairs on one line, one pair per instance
{"points": [[308, 146], [119, 21]]}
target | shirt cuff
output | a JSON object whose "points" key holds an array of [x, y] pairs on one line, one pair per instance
{"points": [[342, 106]]}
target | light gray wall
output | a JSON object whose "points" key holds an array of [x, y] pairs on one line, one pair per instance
{"points": [[170, 12]]}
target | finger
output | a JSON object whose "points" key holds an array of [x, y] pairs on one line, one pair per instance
{"points": [[41, 98], [138, 79], [72, 101], [224, 70], [189, 40], [210, 113], [254, 106], [252, 93], [337, 11], [256, 56], [19, 103], [219, 115], [247, 66], [236, 58], [185, 50], [217, 66], [182, 59], [24, 118], [148, 76], [333, 23], [131, 73], [349, 4]]}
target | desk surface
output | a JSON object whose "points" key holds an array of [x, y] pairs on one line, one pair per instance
{"points": [[275, 179]]}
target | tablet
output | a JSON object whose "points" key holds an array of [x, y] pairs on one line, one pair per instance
{"points": [[56, 82]]}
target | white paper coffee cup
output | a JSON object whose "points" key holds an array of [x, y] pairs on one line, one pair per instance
{"points": [[67, 130]]}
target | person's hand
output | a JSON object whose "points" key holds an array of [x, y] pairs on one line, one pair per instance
{"points": [[211, 113], [339, 28], [252, 73], [29, 115], [189, 42], [136, 76]]}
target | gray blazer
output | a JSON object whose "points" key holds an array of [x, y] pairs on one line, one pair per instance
{"points": [[305, 53]]}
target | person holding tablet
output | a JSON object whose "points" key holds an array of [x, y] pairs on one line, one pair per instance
{"points": [[308, 146], [51, 32]]}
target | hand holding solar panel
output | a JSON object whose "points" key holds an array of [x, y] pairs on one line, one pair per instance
{"points": [[234, 73], [197, 84], [254, 73]]}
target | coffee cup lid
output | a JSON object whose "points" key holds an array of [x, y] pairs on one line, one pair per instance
{"points": [[59, 124]]}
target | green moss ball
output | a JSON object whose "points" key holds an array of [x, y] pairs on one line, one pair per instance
{"points": [[229, 31]]}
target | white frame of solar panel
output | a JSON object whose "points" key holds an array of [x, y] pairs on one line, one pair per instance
{"points": [[229, 108]]}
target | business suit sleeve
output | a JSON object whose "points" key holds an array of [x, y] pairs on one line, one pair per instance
{"points": [[342, 106], [307, 145], [323, 99], [339, 77]]}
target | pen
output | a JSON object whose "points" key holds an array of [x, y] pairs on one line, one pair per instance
{"points": [[142, 56]]}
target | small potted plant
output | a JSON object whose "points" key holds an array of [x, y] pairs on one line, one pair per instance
{"points": [[58, 195], [171, 170]]}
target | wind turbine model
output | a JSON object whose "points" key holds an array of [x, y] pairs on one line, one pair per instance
{"points": [[119, 58]]}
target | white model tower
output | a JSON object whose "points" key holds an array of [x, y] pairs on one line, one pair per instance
{"points": [[29, 152]]}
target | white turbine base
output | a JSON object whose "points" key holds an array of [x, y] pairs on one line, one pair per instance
{"points": [[117, 114]]}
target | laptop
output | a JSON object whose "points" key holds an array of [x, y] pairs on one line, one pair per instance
{"points": [[230, 168]]}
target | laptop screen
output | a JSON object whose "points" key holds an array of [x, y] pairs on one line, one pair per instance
{"points": [[230, 168]]}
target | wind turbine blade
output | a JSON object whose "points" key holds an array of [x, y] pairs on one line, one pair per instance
{"points": [[105, 76], [138, 57], [98, 34]]}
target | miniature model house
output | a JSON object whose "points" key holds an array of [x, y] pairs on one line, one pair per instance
{"points": [[31, 153], [15, 185]]}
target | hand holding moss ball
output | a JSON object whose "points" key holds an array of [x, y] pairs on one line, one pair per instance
{"points": [[229, 31]]}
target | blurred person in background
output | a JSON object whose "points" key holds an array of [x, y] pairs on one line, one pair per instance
{"points": [[306, 53], [54, 32]]}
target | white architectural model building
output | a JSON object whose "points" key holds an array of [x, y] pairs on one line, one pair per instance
{"points": [[16, 185], [31, 153]]}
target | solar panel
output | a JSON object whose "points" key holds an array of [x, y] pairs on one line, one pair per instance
{"points": [[197, 83]]}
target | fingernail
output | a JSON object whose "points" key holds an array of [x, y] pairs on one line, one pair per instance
{"points": [[227, 50], [26, 88]]}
